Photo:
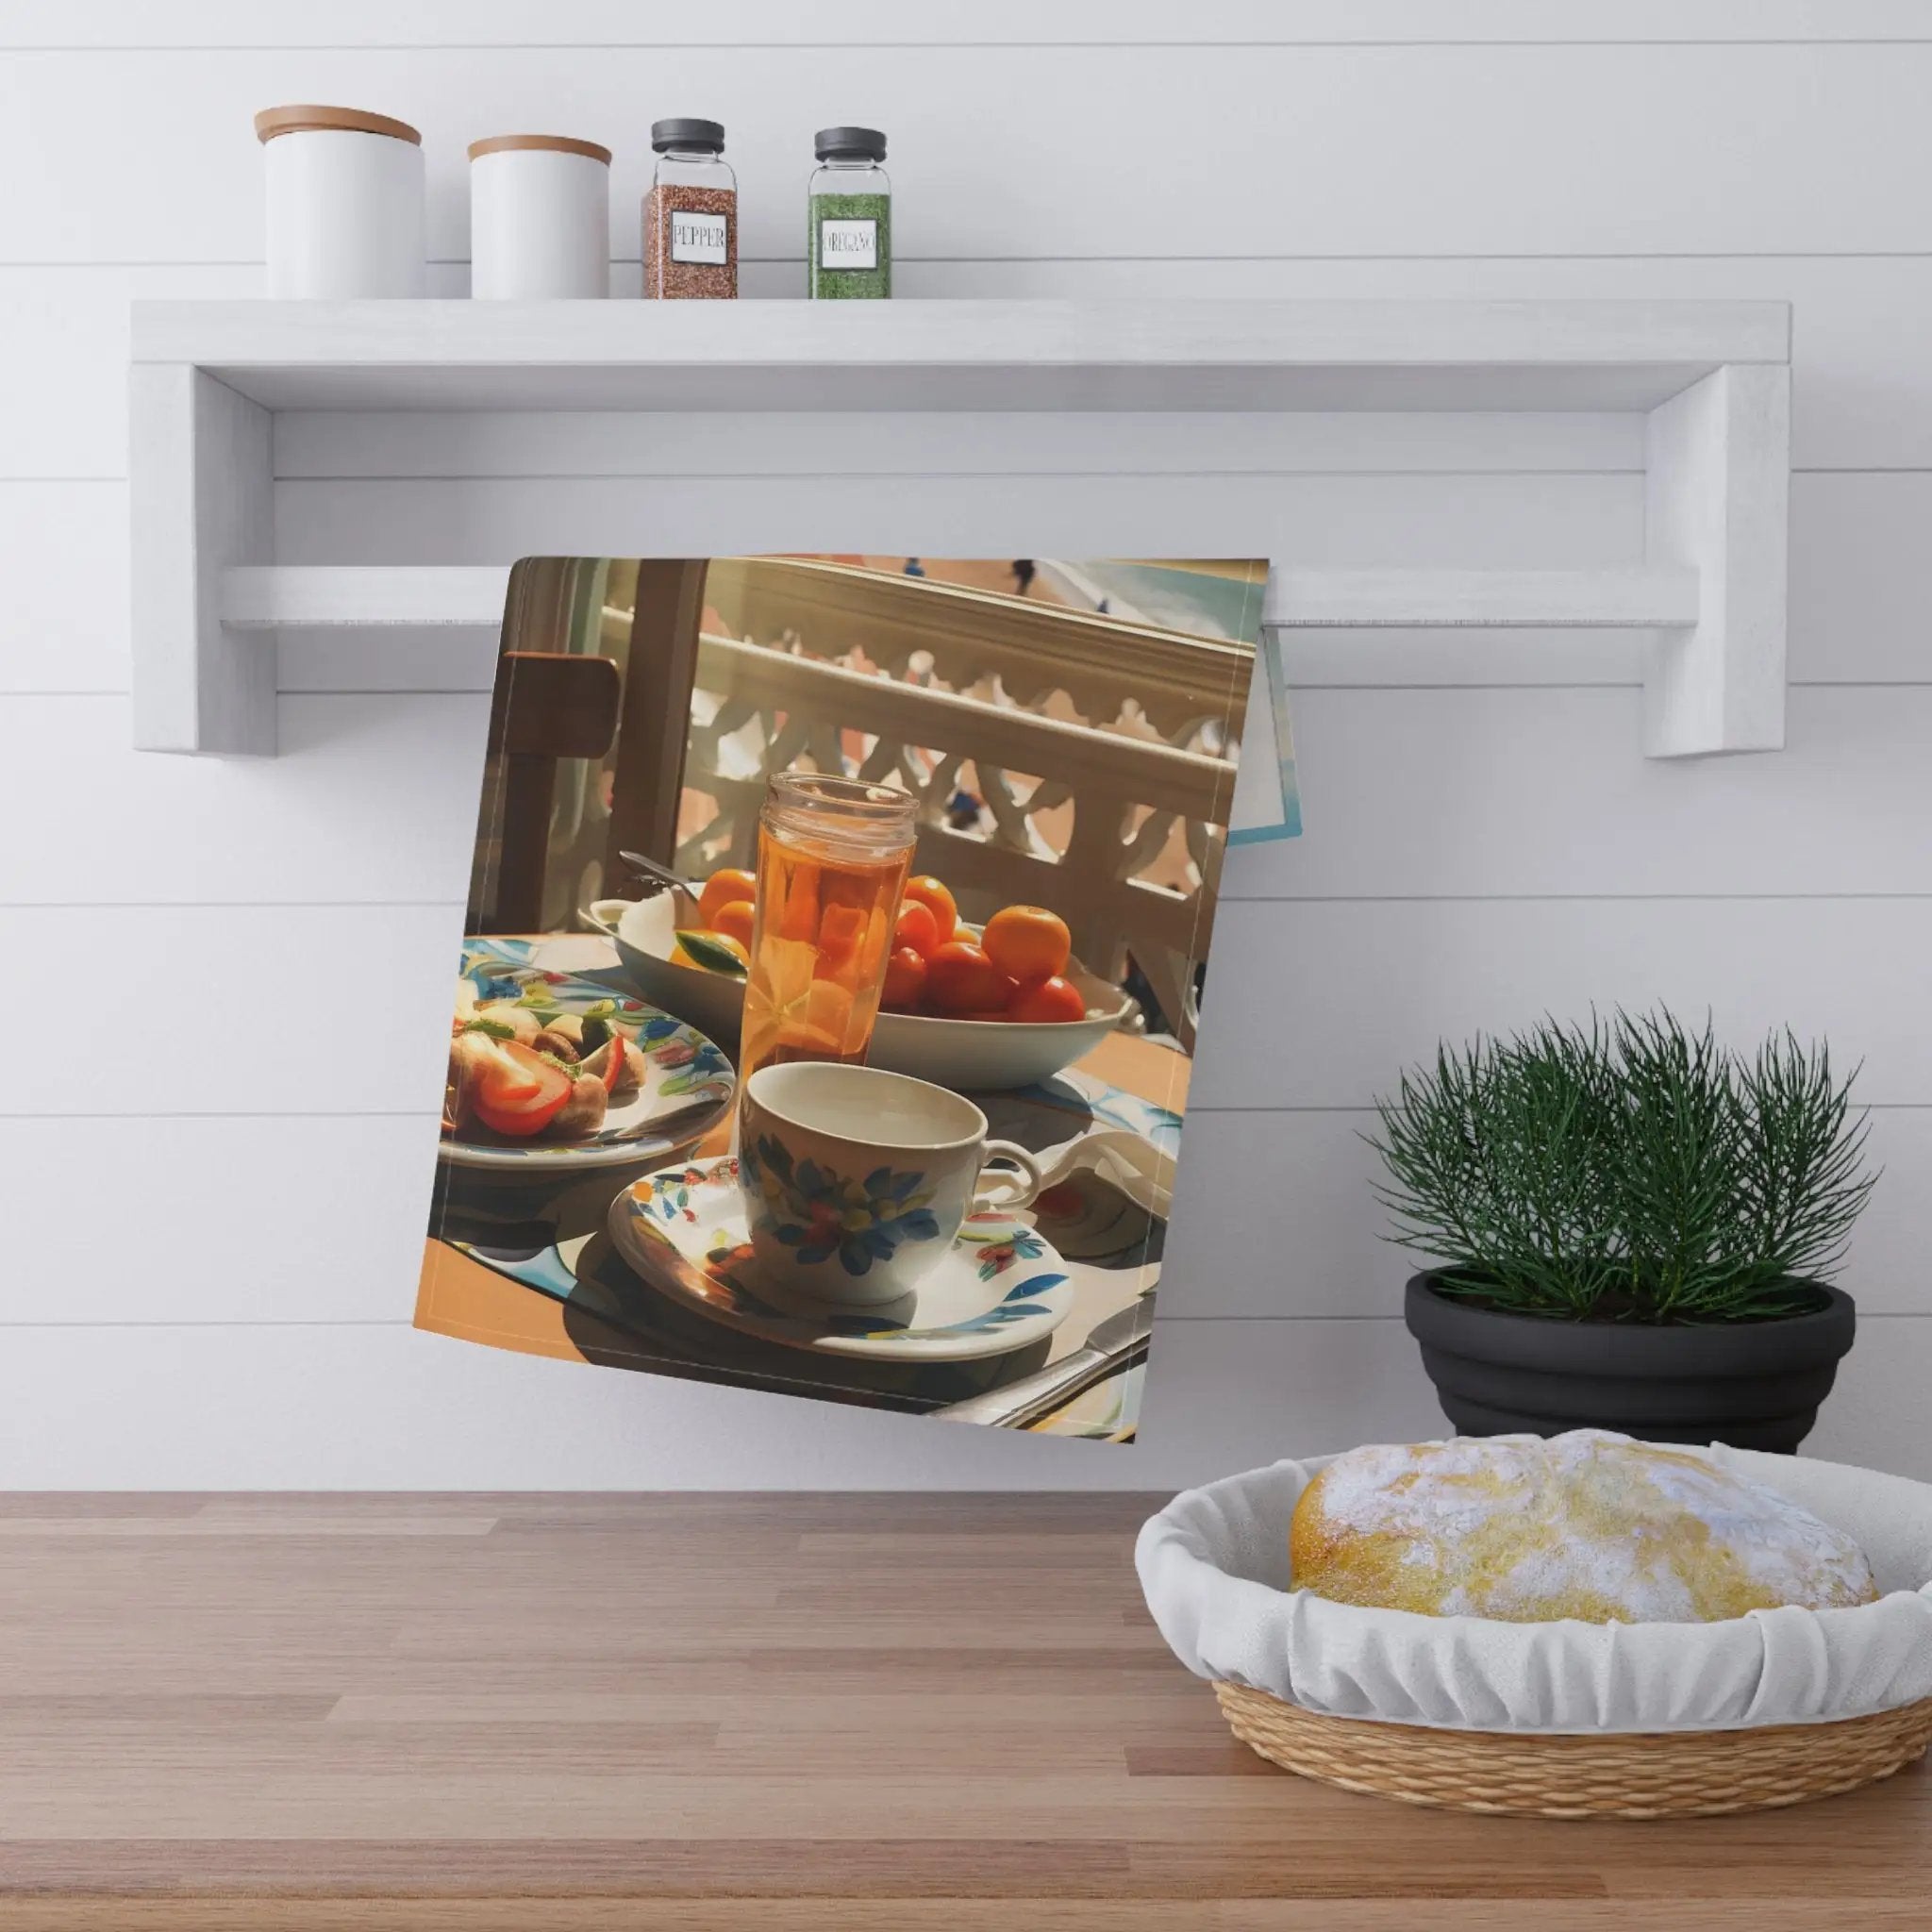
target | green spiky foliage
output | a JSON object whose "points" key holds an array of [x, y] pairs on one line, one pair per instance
{"points": [[1631, 1170]]}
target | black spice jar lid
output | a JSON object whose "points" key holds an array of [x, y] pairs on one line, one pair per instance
{"points": [[867, 143], [707, 136]]}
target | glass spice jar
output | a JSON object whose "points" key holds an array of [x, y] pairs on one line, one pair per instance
{"points": [[691, 214], [849, 218]]}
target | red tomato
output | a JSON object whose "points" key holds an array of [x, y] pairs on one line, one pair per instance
{"points": [[917, 929], [929, 891], [904, 980], [1045, 1001], [1029, 941], [519, 1091], [959, 978]]}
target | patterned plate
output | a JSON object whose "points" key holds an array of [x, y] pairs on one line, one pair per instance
{"points": [[687, 1093], [999, 1288]]}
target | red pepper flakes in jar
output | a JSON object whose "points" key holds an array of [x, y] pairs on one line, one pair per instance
{"points": [[691, 214]]}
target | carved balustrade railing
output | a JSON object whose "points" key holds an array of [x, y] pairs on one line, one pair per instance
{"points": [[1100, 751]]}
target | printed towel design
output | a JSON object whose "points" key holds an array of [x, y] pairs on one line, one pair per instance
{"points": [[830, 973]]}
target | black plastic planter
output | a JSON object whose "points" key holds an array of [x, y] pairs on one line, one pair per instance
{"points": [[1755, 1385]]}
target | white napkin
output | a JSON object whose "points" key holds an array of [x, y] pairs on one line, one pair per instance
{"points": [[1214, 1569]]}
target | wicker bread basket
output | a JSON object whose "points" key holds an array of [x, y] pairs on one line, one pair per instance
{"points": [[1558, 1720], [1614, 1775]]}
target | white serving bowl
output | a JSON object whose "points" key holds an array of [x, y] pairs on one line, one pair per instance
{"points": [[980, 1055]]}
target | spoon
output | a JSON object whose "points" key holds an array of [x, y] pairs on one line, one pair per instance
{"points": [[649, 868]]}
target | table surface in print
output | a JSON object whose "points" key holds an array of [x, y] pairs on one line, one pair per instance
{"points": [[499, 1242]]}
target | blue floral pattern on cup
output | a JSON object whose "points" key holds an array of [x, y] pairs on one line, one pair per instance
{"points": [[819, 1213], [683, 1230]]}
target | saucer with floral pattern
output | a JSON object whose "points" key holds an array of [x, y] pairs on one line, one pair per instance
{"points": [[999, 1286]]}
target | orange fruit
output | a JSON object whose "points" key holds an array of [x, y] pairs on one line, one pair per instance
{"points": [[787, 967], [1045, 1001], [839, 932], [875, 946], [918, 928], [829, 1011], [927, 891], [904, 980], [799, 1041], [734, 921], [959, 979], [723, 888], [1028, 942], [798, 896]]}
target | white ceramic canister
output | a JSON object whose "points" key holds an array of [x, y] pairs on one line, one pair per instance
{"points": [[345, 203], [540, 218]]}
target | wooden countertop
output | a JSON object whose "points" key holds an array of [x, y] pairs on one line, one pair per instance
{"points": [[828, 1711]]}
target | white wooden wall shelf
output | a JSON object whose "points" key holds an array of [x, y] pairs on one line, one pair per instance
{"points": [[1712, 379]]}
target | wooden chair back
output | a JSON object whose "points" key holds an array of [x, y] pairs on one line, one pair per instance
{"points": [[558, 698], [648, 778], [547, 706]]}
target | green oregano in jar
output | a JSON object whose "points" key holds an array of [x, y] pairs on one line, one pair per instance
{"points": [[849, 218]]}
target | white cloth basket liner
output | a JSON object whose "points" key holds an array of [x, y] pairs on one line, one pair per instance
{"points": [[1214, 1567]]}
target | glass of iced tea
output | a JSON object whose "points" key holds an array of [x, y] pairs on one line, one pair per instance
{"points": [[833, 854]]}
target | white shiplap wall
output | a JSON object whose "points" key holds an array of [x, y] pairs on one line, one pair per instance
{"points": [[210, 1262]]}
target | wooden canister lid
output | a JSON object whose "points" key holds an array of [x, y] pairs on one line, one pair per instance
{"points": [[307, 120], [553, 143]]}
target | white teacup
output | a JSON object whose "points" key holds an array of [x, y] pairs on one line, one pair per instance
{"points": [[856, 1180]]}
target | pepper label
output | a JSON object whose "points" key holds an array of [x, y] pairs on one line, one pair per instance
{"points": [[848, 244], [698, 237]]}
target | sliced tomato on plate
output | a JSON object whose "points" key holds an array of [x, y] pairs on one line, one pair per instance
{"points": [[518, 1090]]}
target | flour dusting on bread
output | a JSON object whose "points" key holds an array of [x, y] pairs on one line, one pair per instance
{"points": [[1590, 1526]]}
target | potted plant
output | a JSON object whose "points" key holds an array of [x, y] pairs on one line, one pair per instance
{"points": [[1631, 1226]]}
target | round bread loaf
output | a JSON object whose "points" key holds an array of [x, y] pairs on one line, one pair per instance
{"points": [[1590, 1526]]}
